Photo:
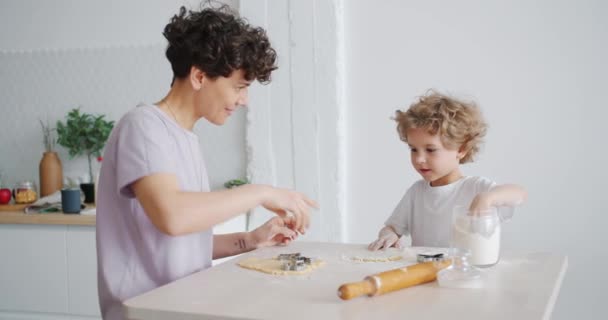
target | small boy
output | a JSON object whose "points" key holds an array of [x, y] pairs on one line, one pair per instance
{"points": [[442, 133]]}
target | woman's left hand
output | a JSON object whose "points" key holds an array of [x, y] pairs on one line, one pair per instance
{"points": [[275, 231]]}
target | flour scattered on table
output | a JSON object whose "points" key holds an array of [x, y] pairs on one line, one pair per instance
{"points": [[275, 266], [390, 254]]}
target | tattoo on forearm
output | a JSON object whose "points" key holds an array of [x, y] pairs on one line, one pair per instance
{"points": [[241, 244]]}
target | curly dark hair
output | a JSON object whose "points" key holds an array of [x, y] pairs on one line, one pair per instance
{"points": [[459, 123], [218, 42]]}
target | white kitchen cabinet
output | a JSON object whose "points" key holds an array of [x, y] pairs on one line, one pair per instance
{"points": [[48, 272], [82, 271], [48, 265]]}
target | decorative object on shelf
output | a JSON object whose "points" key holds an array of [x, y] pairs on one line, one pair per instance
{"points": [[5, 196], [5, 193], [51, 172], [25, 192], [70, 200], [84, 134], [88, 188], [236, 183]]}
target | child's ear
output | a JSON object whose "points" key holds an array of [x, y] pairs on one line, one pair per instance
{"points": [[462, 152]]}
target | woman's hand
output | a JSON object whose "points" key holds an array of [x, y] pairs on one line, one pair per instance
{"points": [[294, 207], [275, 231], [387, 237]]}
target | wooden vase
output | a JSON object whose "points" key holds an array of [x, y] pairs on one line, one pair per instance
{"points": [[51, 174]]}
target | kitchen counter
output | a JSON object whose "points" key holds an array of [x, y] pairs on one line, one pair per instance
{"points": [[57, 218], [520, 286]]}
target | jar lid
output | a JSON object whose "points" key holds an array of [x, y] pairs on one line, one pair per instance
{"points": [[460, 274], [425, 257], [25, 184]]}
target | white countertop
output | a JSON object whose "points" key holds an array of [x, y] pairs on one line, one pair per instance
{"points": [[520, 286]]}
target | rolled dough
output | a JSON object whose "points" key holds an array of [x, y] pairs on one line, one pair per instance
{"points": [[390, 254], [274, 266]]}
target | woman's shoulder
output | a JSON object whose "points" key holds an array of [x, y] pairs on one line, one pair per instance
{"points": [[142, 112], [143, 116], [143, 120]]}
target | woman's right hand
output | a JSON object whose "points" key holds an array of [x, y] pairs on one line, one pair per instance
{"points": [[387, 237], [294, 207]]}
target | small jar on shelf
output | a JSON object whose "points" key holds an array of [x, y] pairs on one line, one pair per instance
{"points": [[25, 192]]}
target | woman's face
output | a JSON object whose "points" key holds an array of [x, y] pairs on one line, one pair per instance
{"points": [[220, 97]]}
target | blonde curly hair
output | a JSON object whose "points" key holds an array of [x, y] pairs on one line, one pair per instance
{"points": [[460, 124]]}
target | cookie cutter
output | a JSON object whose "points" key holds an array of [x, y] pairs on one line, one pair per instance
{"points": [[294, 261], [425, 257]]}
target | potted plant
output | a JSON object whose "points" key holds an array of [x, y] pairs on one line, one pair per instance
{"points": [[84, 134], [51, 173]]}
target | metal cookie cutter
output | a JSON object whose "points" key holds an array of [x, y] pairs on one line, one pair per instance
{"points": [[423, 257], [294, 261]]}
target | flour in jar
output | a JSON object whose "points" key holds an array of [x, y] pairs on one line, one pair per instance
{"points": [[481, 235]]}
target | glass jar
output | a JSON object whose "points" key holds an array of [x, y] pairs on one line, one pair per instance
{"points": [[460, 274], [25, 192], [477, 232]]}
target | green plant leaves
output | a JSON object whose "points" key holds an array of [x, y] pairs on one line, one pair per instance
{"points": [[83, 134], [235, 183]]}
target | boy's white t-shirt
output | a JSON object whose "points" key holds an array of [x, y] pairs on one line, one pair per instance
{"points": [[425, 212]]}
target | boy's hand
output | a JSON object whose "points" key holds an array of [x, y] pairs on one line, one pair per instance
{"points": [[481, 203], [502, 195], [387, 237]]}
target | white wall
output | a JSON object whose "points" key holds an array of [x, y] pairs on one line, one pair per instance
{"points": [[538, 71], [105, 56], [36, 24], [295, 126]]}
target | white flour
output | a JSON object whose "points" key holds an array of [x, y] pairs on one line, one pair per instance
{"points": [[484, 244]]}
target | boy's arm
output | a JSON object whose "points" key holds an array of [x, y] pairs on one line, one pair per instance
{"points": [[501, 195]]}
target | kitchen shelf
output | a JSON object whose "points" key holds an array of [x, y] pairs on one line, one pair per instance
{"points": [[56, 218]]}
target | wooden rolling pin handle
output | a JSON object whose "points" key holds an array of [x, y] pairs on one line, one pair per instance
{"points": [[356, 289], [392, 280]]}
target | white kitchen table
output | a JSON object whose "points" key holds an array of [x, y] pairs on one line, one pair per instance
{"points": [[520, 286]]}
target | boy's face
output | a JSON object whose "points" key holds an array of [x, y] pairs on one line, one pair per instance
{"points": [[220, 97], [435, 162]]}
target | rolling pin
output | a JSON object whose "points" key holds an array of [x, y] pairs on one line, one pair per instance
{"points": [[392, 280]]}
